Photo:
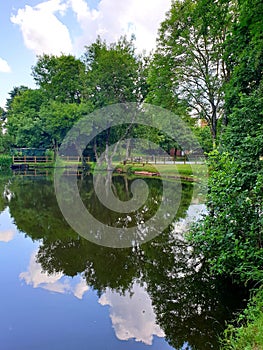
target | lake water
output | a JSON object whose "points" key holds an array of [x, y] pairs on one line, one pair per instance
{"points": [[62, 291]]}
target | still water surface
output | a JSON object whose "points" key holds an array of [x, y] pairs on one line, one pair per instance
{"points": [[60, 291]]}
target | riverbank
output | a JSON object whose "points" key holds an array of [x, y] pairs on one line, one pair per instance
{"points": [[248, 334], [177, 170], [188, 172]]}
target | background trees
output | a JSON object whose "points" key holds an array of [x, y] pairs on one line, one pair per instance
{"points": [[114, 73], [69, 88], [24, 124], [60, 77]]}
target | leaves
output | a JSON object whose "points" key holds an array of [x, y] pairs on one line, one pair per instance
{"points": [[230, 237], [61, 78], [188, 68], [114, 73]]}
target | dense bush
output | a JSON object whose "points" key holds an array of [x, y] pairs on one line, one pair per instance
{"points": [[5, 162], [229, 238]]}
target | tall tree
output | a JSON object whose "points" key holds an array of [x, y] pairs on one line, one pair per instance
{"points": [[231, 235], [188, 65], [60, 77], [24, 125], [17, 90], [113, 73], [57, 119]]}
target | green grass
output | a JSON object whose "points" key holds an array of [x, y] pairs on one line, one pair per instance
{"points": [[185, 170], [249, 334]]}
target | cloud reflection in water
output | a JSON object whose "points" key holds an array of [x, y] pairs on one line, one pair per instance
{"points": [[132, 314], [52, 282]]}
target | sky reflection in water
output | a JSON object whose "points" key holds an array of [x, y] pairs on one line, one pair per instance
{"points": [[60, 291], [32, 318]]}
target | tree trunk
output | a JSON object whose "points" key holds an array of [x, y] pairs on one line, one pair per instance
{"points": [[128, 149]]}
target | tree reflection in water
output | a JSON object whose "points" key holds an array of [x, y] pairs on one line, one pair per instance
{"points": [[191, 306]]}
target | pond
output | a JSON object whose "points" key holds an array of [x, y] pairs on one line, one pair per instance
{"points": [[59, 290]]}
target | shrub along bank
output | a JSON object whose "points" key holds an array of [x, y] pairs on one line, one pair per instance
{"points": [[5, 162]]}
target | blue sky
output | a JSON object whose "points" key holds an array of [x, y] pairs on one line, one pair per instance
{"points": [[32, 27]]}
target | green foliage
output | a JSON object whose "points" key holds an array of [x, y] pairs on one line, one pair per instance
{"points": [[70, 88], [249, 333], [188, 69], [204, 137], [24, 125], [17, 90], [61, 78], [36, 123], [229, 238], [244, 51], [5, 143], [57, 118], [114, 73], [162, 85], [2, 114], [5, 162]]}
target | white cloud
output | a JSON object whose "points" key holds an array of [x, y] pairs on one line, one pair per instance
{"points": [[42, 31], [36, 277], [114, 18], [7, 228], [80, 289], [7, 235], [132, 315], [52, 282], [194, 213], [4, 66]]}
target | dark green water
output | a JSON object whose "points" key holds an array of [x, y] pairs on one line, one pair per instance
{"points": [[61, 291]]}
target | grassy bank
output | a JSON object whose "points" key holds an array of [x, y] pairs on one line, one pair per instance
{"points": [[182, 170], [188, 171], [248, 334]]}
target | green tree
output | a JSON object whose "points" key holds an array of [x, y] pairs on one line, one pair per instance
{"points": [[57, 118], [17, 90], [161, 85], [188, 67], [204, 137], [24, 125], [60, 77], [2, 114], [114, 73], [4, 140], [231, 235]]}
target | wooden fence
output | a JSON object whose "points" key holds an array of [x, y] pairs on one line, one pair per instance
{"points": [[31, 159], [45, 159]]}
